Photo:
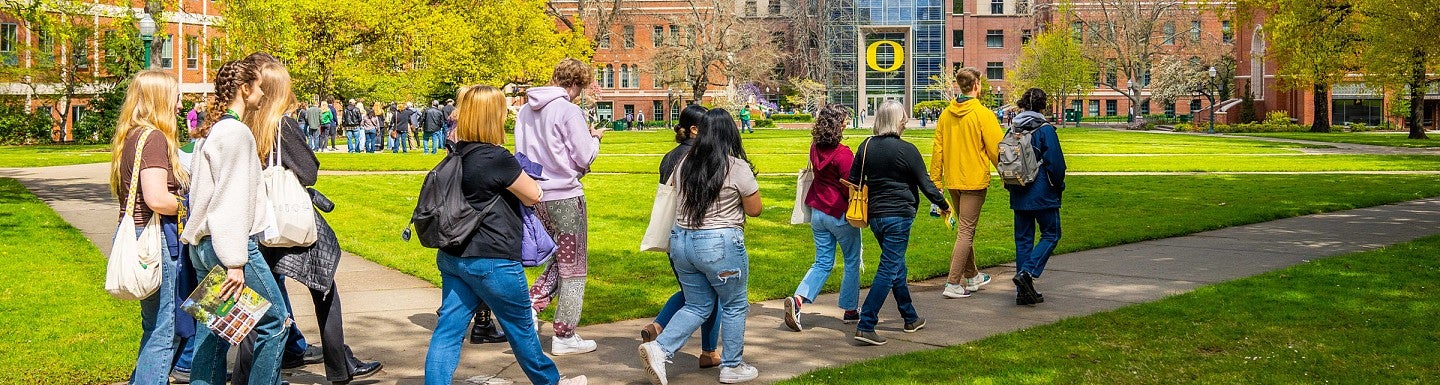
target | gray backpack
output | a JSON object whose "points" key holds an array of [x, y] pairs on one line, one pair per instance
{"points": [[1018, 165]]}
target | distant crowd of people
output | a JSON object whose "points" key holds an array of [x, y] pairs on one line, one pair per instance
{"points": [[212, 203]]}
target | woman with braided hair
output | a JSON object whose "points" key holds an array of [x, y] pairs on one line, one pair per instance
{"points": [[226, 187]]}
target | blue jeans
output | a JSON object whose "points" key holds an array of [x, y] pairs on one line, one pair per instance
{"points": [[370, 142], [433, 142], [400, 143], [714, 270], [893, 234], [1030, 256], [710, 330], [317, 135], [157, 319], [186, 356], [745, 125], [351, 141], [210, 351], [499, 283], [830, 232]]}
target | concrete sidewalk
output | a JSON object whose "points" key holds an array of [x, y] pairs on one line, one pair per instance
{"points": [[389, 314]]}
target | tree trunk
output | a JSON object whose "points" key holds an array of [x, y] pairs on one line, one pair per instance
{"points": [[1322, 108], [154, 7], [1418, 86]]}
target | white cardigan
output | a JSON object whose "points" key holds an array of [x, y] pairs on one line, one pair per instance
{"points": [[226, 193]]}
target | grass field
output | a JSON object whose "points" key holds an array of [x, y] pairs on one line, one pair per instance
{"points": [[60, 327], [783, 151], [1099, 211], [1365, 318], [1391, 139], [53, 155]]}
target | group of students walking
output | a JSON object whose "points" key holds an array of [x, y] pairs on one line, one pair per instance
{"points": [[372, 127], [213, 206]]}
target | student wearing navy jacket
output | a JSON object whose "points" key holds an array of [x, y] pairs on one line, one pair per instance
{"points": [[1036, 204]]}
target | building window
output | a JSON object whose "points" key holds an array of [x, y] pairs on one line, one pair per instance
{"points": [[995, 38], [1226, 33], [1094, 108], [1076, 105], [1194, 105], [217, 53], [609, 76], [774, 7], [1170, 109], [1022, 7], [751, 9], [624, 76], [167, 53], [635, 76], [1112, 107], [957, 6], [192, 53], [1145, 108], [658, 39], [8, 37], [657, 110], [604, 39], [46, 48], [1195, 32], [82, 54], [995, 70], [627, 36], [1112, 75], [997, 7], [1169, 31], [1025, 36], [957, 38]]}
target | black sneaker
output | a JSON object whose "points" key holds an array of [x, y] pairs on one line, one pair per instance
{"points": [[1025, 293], [365, 369], [313, 355], [851, 316], [911, 327], [179, 377]]}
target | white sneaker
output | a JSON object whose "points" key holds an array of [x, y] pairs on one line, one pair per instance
{"points": [[955, 291], [737, 374], [573, 345], [581, 380], [974, 283], [652, 357]]}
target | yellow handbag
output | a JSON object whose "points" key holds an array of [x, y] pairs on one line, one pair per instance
{"points": [[859, 212]]}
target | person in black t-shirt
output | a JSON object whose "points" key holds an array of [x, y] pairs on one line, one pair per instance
{"points": [[487, 267]]}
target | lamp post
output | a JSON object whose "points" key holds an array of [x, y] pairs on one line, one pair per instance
{"points": [[1130, 94], [147, 34], [1210, 95]]}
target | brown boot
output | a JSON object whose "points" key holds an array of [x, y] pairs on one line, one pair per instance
{"points": [[709, 359], [650, 332]]}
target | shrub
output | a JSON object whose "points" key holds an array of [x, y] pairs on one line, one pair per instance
{"points": [[20, 127], [930, 105], [98, 124], [765, 123], [1246, 109], [1242, 127], [791, 118], [1277, 117]]}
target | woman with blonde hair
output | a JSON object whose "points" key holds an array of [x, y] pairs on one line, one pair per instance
{"points": [[486, 268], [145, 143], [266, 124]]}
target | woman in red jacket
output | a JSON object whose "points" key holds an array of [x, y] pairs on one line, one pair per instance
{"points": [[828, 199]]}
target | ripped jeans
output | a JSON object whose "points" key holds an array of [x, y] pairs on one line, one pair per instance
{"points": [[713, 268]]}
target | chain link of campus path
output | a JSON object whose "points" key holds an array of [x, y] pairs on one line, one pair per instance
{"points": [[389, 315]]}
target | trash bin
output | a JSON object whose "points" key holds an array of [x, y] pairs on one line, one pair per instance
{"points": [[1072, 116], [618, 125]]}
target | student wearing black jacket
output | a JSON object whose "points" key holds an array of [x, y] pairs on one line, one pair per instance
{"points": [[341, 366], [893, 170]]}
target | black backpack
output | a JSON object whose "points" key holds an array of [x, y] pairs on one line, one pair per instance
{"points": [[442, 217]]}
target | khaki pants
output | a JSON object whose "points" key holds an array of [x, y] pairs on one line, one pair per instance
{"points": [[967, 205]]}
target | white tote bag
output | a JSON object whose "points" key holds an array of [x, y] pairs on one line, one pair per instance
{"points": [[662, 216], [133, 271], [292, 215], [801, 212]]}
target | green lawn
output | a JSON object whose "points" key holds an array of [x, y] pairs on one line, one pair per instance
{"points": [[53, 155], [1100, 211], [60, 327], [784, 150], [1365, 318], [1392, 139]]}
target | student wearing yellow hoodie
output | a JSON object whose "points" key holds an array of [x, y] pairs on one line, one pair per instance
{"points": [[967, 138]]}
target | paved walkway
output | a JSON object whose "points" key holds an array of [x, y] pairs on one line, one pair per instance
{"points": [[389, 315]]}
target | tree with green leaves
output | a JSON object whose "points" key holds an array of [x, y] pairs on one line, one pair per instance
{"points": [[1054, 62], [1315, 44], [806, 93], [1401, 53]]}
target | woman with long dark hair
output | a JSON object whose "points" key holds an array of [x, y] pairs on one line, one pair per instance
{"points": [[828, 199], [685, 132], [226, 194], [716, 191]]}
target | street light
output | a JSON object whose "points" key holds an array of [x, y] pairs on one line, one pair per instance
{"points": [[1210, 94], [147, 34]]}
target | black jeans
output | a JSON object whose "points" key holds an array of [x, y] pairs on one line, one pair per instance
{"points": [[339, 360]]}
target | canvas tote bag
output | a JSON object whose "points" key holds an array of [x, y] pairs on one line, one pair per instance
{"points": [[801, 213], [133, 271], [662, 216], [292, 213]]}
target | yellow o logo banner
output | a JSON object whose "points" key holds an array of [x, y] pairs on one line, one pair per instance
{"points": [[874, 49]]}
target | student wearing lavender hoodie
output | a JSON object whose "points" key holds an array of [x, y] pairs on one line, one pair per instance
{"points": [[552, 131]]}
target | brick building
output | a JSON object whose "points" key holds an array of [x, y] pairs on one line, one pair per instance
{"points": [[186, 31]]}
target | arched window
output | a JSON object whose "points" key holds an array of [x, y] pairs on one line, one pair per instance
{"points": [[609, 76], [635, 75], [624, 76], [1257, 63]]}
